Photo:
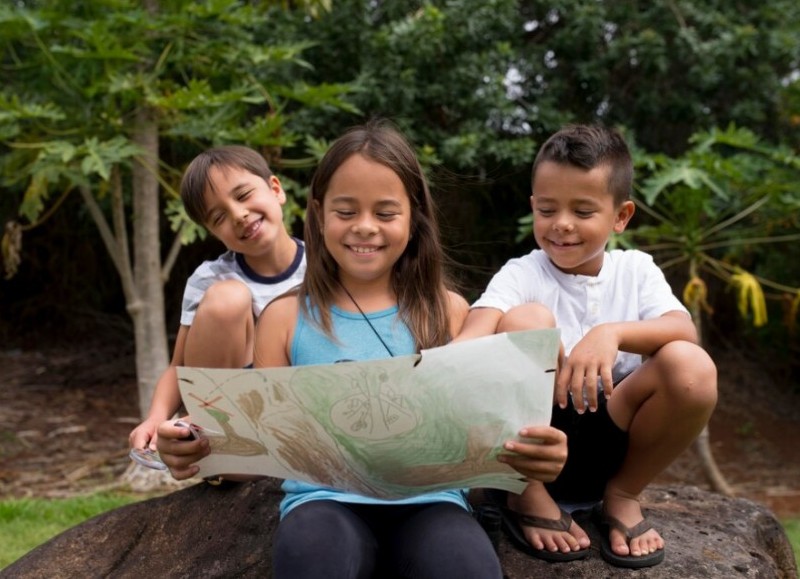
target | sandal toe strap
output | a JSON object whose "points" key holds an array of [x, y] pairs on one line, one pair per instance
{"points": [[562, 524], [637, 530]]}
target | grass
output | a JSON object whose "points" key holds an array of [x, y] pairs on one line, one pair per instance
{"points": [[792, 527], [27, 523]]}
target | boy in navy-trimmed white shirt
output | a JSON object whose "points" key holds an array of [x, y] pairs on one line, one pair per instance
{"points": [[232, 192], [630, 354]]}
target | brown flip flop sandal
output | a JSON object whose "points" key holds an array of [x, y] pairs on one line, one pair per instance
{"points": [[605, 523], [512, 523]]}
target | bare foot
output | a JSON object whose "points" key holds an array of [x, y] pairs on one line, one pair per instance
{"points": [[536, 501], [627, 510]]}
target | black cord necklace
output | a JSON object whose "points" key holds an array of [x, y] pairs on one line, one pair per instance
{"points": [[366, 319]]}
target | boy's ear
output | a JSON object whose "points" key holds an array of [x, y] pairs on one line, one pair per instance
{"points": [[624, 213], [275, 186]]}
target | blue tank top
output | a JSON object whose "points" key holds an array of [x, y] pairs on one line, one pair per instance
{"points": [[354, 341]]}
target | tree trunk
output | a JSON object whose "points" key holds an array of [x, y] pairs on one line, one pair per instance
{"points": [[714, 476], [701, 444], [147, 311]]}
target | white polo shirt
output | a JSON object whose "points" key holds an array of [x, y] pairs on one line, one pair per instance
{"points": [[629, 287]]}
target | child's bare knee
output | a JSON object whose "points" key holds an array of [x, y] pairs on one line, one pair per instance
{"points": [[530, 316], [225, 301], [690, 371]]}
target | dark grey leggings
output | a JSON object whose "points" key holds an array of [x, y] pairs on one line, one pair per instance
{"points": [[331, 540]]}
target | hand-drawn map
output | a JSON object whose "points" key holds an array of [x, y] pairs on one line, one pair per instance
{"points": [[388, 428]]}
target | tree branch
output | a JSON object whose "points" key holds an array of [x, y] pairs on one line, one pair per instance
{"points": [[172, 256], [102, 226], [118, 216]]}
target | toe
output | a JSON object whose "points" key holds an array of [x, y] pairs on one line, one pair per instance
{"points": [[645, 544], [619, 545]]}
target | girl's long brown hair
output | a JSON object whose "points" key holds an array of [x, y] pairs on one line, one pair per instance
{"points": [[418, 277]]}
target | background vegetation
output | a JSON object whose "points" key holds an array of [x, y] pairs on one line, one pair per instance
{"points": [[103, 103]]}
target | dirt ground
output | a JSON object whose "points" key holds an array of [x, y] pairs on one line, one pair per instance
{"points": [[65, 415]]}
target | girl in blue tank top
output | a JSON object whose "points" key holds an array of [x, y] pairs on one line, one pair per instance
{"points": [[375, 287]]}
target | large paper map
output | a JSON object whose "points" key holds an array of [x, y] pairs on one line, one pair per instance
{"points": [[388, 428]]}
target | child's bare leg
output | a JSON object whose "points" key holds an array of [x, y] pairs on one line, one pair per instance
{"points": [[663, 405], [221, 335], [535, 500]]}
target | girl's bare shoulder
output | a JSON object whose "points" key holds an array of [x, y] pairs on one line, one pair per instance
{"points": [[274, 331], [457, 308], [282, 309]]}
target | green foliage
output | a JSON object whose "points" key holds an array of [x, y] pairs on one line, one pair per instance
{"points": [[79, 74], [716, 209], [662, 69], [481, 84], [27, 523]]}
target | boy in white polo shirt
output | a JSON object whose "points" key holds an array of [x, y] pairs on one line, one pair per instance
{"points": [[631, 354]]}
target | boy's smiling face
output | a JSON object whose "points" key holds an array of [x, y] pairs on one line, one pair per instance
{"points": [[574, 215], [244, 211]]}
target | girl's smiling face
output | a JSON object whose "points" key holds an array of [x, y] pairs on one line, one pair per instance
{"points": [[574, 215], [366, 220]]}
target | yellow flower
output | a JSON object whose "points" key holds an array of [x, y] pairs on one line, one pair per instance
{"points": [[695, 293], [751, 296]]}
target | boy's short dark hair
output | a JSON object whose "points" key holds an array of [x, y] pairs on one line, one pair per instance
{"points": [[586, 147], [195, 178]]}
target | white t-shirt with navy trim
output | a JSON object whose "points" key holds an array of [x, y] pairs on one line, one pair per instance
{"points": [[231, 265]]}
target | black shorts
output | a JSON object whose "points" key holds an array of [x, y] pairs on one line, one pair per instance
{"points": [[596, 448]]}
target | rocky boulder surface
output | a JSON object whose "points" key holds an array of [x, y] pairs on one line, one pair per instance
{"points": [[208, 532]]}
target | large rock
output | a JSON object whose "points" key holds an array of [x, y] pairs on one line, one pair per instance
{"points": [[206, 531]]}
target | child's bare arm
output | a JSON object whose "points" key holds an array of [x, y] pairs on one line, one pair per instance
{"points": [[166, 399], [594, 355], [479, 322], [646, 336]]}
